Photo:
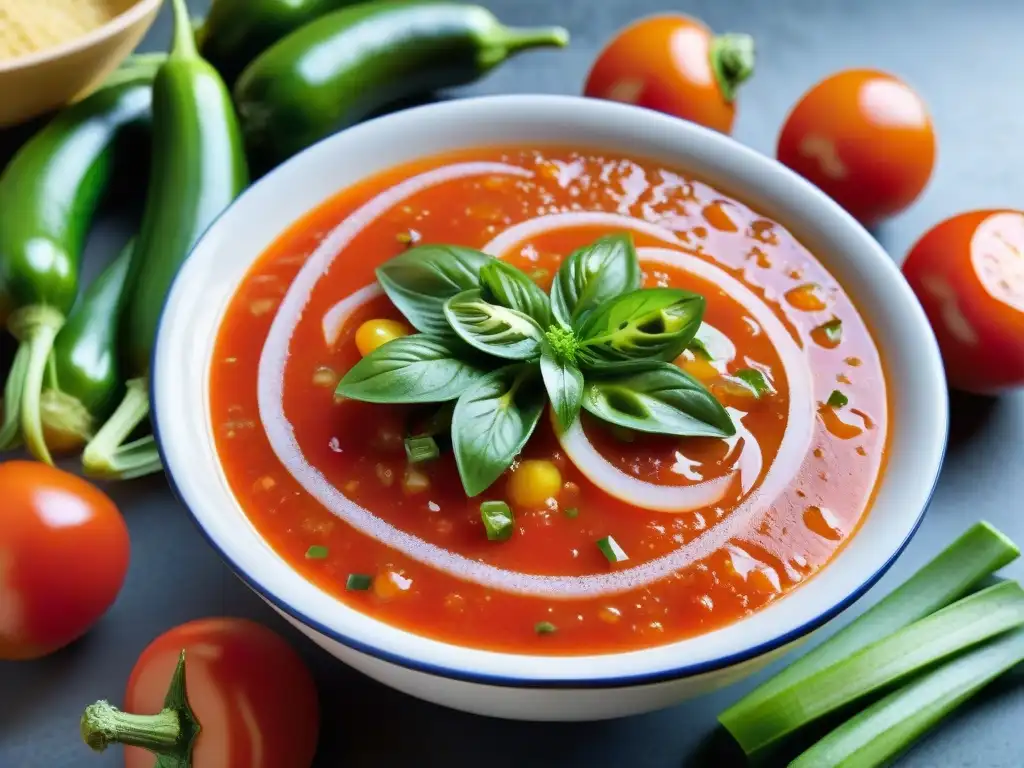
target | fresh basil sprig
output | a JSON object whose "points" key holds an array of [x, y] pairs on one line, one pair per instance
{"points": [[492, 341]]}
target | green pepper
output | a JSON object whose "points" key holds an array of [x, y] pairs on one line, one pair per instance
{"points": [[198, 169], [49, 194], [83, 374], [237, 31], [345, 66]]}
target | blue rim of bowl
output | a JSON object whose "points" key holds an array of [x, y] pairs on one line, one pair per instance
{"points": [[612, 682]]}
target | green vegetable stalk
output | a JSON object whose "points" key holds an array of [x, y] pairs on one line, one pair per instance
{"points": [[343, 67], [198, 169], [49, 194]]}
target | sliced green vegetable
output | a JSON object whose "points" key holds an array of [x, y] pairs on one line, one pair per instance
{"points": [[545, 628], [498, 520], [593, 275], [953, 573], [887, 661], [890, 726], [358, 582], [493, 329], [611, 550], [421, 448], [833, 330], [837, 399], [755, 380], [317, 552]]}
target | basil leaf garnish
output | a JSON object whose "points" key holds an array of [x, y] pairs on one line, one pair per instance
{"points": [[493, 420], [564, 383], [493, 329], [651, 324], [503, 284], [591, 276], [661, 399], [755, 381], [411, 369], [420, 280]]}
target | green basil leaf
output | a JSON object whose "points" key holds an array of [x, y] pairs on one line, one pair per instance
{"points": [[593, 275], [837, 399], [564, 383], [503, 284], [493, 420], [420, 280], [699, 348], [755, 381], [412, 369], [493, 329], [661, 399], [645, 325]]}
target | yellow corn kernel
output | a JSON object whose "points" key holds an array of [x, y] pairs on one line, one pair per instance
{"points": [[533, 483], [390, 584], [700, 368], [376, 333], [806, 297], [414, 482], [609, 615]]}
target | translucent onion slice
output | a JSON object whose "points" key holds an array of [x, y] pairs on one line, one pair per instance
{"points": [[336, 317]]}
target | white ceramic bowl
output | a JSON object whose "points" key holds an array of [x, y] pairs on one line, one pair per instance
{"points": [[543, 687]]}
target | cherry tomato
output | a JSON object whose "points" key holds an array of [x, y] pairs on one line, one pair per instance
{"points": [[674, 64], [63, 556], [865, 139], [968, 273], [251, 695]]}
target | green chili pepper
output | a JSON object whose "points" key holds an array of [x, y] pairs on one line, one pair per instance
{"points": [[347, 65], [48, 196], [237, 31], [198, 168], [83, 375]]}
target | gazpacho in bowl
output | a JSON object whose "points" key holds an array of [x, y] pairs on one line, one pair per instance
{"points": [[511, 402]]}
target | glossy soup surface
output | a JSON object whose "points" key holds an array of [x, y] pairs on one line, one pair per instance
{"points": [[797, 478]]}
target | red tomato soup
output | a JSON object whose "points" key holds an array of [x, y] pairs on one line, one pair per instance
{"points": [[703, 530]]}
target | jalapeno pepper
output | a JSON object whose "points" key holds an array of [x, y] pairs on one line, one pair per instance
{"points": [[83, 380], [345, 66], [237, 31], [48, 196], [198, 168]]}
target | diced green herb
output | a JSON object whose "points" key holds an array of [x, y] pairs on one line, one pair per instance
{"points": [[498, 520], [754, 379], [545, 628], [953, 573], [572, 513], [358, 582], [883, 731], [611, 550], [421, 448], [837, 399], [699, 348], [833, 330], [316, 552], [889, 660]]}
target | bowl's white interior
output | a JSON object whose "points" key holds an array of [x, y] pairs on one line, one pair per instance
{"points": [[918, 413]]}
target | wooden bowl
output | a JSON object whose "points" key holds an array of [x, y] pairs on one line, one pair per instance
{"points": [[52, 77]]}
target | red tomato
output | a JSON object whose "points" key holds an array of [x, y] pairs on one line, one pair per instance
{"points": [[865, 139], [968, 273], [672, 63], [251, 694], [63, 557]]}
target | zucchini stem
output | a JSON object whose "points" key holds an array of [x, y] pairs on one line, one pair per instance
{"points": [[511, 40], [184, 45], [10, 430], [107, 456], [36, 328], [170, 734]]}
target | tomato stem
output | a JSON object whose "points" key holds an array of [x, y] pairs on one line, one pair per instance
{"points": [[170, 734], [732, 59]]}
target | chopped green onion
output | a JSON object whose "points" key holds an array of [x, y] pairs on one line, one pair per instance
{"points": [[316, 552], [833, 330], [572, 513], [698, 347], [498, 520], [883, 731], [953, 573], [754, 379], [837, 399], [611, 550], [545, 628], [358, 582], [421, 448], [891, 659]]}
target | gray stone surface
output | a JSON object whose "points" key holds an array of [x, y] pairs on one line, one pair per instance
{"points": [[967, 61]]}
